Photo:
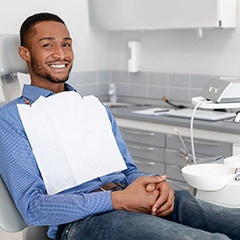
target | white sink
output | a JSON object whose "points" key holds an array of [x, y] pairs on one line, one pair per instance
{"points": [[208, 176], [116, 104]]}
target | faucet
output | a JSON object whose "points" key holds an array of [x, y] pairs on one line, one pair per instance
{"points": [[112, 93], [188, 158]]}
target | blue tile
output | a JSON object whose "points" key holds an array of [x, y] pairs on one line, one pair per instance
{"points": [[179, 94], [176, 87], [179, 80], [137, 91], [87, 77], [138, 78], [119, 77], [103, 77], [199, 81], [157, 92], [158, 79]]}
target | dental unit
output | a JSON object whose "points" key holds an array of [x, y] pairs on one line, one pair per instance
{"points": [[216, 181]]}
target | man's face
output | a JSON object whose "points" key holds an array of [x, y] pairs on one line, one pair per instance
{"points": [[51, 54]]}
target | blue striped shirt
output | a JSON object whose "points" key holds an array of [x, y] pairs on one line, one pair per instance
{"points": [[20, 172]]}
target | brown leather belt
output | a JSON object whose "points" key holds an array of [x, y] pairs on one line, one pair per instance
{"points": [[112, 186]]}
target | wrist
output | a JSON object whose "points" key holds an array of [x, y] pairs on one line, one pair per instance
{"points": [[118, 200]]}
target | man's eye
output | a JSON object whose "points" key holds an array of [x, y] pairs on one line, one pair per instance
{"points": [[66, 45], [47, 45]]}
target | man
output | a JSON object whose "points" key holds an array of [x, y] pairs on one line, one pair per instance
{"points": [[125, 204]]}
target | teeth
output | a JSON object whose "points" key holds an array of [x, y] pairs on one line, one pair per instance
{"points": [[58, 65]]}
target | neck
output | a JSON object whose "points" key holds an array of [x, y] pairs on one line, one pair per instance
{"points": [[54, 87]]}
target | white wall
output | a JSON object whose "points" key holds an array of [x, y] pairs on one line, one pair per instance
{"points": [[181, 51], [90, 48], [172, 51]]}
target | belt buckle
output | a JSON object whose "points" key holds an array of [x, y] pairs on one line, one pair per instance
{"points": [[115, 187]]}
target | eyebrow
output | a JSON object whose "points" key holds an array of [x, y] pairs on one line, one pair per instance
{"points": [[52, 38]]}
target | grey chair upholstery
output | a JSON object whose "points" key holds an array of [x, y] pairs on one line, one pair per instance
{"points": [[10, 219], [10, 65]]}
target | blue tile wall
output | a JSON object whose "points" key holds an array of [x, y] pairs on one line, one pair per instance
{"points": [[176, 87]]}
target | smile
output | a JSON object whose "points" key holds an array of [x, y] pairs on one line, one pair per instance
{"points": [[58, 66]]}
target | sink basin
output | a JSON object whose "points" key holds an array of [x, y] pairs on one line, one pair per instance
{"points": [[116, 104], [208, 176]]}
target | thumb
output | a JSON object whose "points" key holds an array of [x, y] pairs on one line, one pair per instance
{"points": [[152, 185]]}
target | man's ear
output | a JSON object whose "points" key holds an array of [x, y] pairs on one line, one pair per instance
{"points": [[24, 53]]}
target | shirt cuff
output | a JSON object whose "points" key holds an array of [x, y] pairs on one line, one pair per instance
{"points": [[99, 202]]}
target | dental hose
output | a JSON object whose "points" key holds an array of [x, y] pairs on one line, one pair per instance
{"points": [[171, 104]]}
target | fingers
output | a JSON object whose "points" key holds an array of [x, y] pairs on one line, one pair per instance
{"points": [[165, 202], [167, 207], [153, 179], [135, 198], [151, 186]]}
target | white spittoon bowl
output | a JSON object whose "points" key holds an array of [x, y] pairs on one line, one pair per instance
{"points": [[208, 176]]}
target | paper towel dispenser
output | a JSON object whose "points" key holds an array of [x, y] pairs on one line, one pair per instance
{"points": [[114, 15]]}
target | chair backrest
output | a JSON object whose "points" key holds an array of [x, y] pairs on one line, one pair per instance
{"points": [[10, 61], [10, 65], [10, 218]]}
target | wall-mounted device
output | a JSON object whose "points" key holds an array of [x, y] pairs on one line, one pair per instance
{"points": [[222, 90], [134, 52]]}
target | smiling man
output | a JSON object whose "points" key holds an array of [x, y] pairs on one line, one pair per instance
{"points": [[57, 164], [48, 54]]}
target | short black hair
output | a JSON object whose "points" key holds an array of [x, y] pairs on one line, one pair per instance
{"points": [[27, 28]]}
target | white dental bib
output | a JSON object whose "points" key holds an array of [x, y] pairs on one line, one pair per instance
{"points": [[71, 138]]}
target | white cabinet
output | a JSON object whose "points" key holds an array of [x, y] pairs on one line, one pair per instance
{"points": [[113, 15], [146, 148], [155, 148]]}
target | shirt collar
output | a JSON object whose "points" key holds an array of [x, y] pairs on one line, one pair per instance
{"points": [[32, 93]]}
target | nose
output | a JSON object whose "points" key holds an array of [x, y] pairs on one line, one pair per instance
{"points": [[59, 52]]}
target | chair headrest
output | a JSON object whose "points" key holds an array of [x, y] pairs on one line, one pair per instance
{"points": [[10, 61]]}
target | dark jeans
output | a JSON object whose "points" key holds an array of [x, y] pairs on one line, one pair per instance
{"points": [[191, 219]]}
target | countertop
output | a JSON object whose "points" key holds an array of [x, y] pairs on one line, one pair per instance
{"points": [[224, 126]]}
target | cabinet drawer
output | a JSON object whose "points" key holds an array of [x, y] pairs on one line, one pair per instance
{"points": [[151, 167], [146, 151], [175, 157], [202, 146], [174, 172], [144, 137]]}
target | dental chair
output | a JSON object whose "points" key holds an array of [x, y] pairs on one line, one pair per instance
{"points": [[10, 88]]}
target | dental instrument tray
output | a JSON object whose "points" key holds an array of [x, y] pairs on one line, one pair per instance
{"points": [[208, 115]]}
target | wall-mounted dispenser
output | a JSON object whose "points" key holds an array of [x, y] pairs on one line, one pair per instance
{"points": [[134, 56]]}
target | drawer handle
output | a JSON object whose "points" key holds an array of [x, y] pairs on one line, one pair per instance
{"points": [[178, 168], [203, 143], [138, 133], [141, 148], [145, 163]]}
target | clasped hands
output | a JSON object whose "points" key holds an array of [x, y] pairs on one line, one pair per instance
{"points": [[147, 194]]}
